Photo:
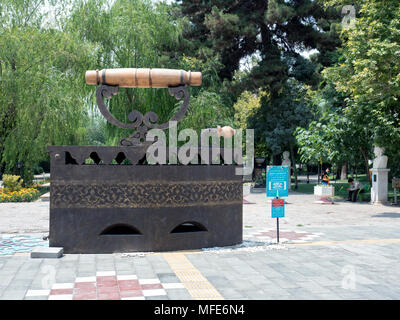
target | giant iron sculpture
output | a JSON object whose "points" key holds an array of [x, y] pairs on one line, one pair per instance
{"points": [[110, 206]]}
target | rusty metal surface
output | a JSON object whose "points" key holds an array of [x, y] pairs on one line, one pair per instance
{"points": [[108, 199], [152, 200]]}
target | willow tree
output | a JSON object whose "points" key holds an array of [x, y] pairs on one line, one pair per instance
{"points": [[133, 34], [41, 85]]}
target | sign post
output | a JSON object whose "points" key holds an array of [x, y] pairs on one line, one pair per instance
{"points": [[277, 186]]}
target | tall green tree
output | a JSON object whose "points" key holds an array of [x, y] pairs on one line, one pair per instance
{"points": [[269, 30], [278, 117], [369, 73], [272, 34], [41, 85], [137, 34]]}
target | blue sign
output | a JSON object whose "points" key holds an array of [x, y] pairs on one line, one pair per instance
{"points": [[277, 181], [278, 208]]}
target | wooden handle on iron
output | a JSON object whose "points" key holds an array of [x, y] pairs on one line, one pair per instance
{"points": [[143, 77]]}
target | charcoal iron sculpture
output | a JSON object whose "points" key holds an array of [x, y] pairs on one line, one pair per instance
{"points": [[120, 204]]}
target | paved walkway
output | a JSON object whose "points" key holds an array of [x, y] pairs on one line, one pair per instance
{"points": [[340, 251]]}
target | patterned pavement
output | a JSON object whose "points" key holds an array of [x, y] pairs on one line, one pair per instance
{"points": [[13, 244], [358, 267], [341, 251], [285, 235], [106, 285]]}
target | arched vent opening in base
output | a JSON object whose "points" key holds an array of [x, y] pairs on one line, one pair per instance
{"points": [[120, 229], [189, 227]]}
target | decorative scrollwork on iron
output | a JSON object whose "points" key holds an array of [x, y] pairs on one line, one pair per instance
{"points": [[141, 123]]}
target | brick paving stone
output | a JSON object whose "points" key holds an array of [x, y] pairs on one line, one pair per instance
{"points": [[242, 284], [19, 284], [86, 271], [325, 281], [293, 276], [230, 293], [271, 273], [123, 265], [314, 287], [169, 277], [12, 294], [209, 272], [2, 289], [70, 257], [301, 293], [145, 273], [36, 298], [87, 258], [282, 283], [65, 276], [27, 275], [5, 280], [179, 294], [101, 256], [231, 276], [384, 290], [105, 266], [375, 296], [349, 295], [67, 264], [332, 296], [257, 294], [158, 298], [126, 272], [259, 280]]}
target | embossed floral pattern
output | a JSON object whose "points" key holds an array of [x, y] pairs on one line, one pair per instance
{"points": [[143, 195]]}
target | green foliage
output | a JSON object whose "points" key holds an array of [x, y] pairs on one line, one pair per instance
{"points": [[134, 34], [45, 49], [96, 132], [280, 115], [369, 72], [41, 85], [23, 195], [205, 111], [141, 34], [233, 31], [246, 106], [12, 182]]}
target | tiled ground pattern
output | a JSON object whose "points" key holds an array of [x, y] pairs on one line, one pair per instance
{"points": [[106, 285], [11, 244], [290, 236]]}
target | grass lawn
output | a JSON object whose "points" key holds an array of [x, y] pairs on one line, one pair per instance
{"points": [[340, 188]]}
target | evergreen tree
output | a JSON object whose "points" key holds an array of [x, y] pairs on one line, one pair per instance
{"points": [[274, 31]]}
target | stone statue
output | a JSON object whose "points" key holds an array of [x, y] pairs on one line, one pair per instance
{"points": [[380, 160], [286, 161]]}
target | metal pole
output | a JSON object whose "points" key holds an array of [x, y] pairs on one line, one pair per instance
{"points": [[277, 229]]}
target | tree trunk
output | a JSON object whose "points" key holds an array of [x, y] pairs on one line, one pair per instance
{"points": [[308, 174], [294, 167], [364, 154], [343, 173]]}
